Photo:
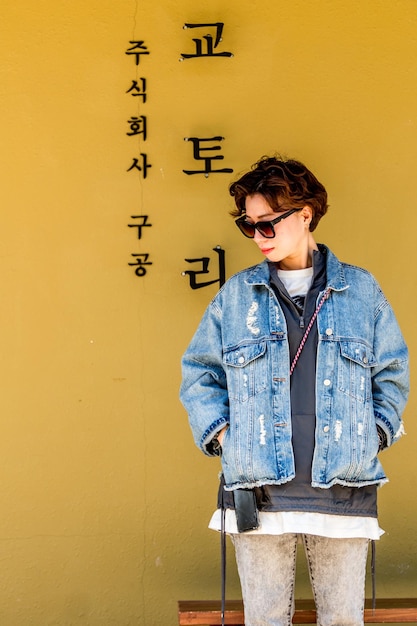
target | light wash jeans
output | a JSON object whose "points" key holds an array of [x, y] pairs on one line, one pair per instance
{"points": [[266, 566]]}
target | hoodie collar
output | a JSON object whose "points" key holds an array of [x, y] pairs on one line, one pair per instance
{"points": [[336, 280]]}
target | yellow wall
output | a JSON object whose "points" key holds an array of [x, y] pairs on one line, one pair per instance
{"points": [[104, 499]]}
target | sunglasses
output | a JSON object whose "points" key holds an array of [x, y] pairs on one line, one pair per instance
{"points": [[266, 229]]}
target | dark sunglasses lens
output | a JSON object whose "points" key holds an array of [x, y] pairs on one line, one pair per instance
{"points": [[266, 229], [246, 228]]}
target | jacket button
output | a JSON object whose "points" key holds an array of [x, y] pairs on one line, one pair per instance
{"points": [[329, 331], [326, 429], [241, 359], [327, 382], [365, 359]]}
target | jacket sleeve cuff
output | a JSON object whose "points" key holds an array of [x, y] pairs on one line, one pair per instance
{"points": [[382, 437], [209, 442]]}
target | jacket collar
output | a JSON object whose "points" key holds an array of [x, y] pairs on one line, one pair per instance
{"points": [[336, 279]]}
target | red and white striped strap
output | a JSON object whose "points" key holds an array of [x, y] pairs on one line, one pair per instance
{"points": [[309, 327]]}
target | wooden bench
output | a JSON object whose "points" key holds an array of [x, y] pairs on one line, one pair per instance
{"points": [[207, 612]]}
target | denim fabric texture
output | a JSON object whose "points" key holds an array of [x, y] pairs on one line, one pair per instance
{"points": [[337, 568], [236, 373]]}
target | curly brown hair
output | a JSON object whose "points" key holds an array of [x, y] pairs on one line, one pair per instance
{"points": [[285, 184]]}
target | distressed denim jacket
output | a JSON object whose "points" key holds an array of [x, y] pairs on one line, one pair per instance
{"points": [[236, 373]]}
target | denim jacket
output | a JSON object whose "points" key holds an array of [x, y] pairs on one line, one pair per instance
{"points": [[236, 373]]}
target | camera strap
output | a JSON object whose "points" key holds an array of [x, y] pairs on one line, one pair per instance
{"points": [[307, 331]]}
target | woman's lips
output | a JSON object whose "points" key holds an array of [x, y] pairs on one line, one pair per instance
{"points": [[266, 250]]}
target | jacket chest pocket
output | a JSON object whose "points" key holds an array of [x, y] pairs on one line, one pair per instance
{"points": [[247, 370], [354, 370]]}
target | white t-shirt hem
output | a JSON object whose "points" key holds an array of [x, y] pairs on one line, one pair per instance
{"points": [[321, 524]]}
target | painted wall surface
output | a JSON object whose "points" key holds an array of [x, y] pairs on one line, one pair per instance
{"points": [[104, 499]]}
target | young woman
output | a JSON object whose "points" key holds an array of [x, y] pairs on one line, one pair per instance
{"points": [[297, 377]]}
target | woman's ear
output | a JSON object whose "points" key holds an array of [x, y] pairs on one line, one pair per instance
{"points": [[307, 214]]}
